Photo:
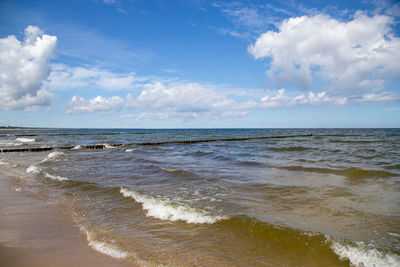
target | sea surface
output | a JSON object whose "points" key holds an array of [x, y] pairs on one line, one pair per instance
{"points": [[330, 199]]}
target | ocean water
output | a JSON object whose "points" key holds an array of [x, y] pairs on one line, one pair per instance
{"points": [[330, 199]]}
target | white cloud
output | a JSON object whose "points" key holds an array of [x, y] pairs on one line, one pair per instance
{"points": [[355, 55], [23, 68], [281, 99], [185, 100], [382, 97], [64, 77], [97, 104]]}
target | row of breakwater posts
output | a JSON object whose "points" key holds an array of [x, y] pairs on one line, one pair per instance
{"points": [[103, 146]]}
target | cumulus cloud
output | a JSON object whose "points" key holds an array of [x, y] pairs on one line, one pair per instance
{"points": [[356, 55], [64, 77], [23, 68], [98, 104], [185, 100]]}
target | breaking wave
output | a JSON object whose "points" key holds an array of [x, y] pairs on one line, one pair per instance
{"points": [[35, 168], [56, 177], [102, 247], [363, 255], [52, 156], [166, 210], [25, 140]]}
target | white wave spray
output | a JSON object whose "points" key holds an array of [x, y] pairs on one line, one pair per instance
{"points": [[25, 140], [363, 255], [103, 247], [165, 210]]}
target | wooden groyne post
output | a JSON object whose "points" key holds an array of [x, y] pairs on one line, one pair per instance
{"points": [[40, 149]]}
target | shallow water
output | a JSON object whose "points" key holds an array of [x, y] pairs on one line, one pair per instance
{"points": [[331, 199]]}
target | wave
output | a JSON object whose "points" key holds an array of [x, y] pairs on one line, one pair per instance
{"points": [[34, 168], [56, 177], [348, 172], [130, 150], [393, 167], [290, 148], [304, 245], [175, 171], [107, 146], [354, 141], [10, 144], [360, 254], [77, 147], [104, 248], [52, 156], [25, 140], [164, 209]]}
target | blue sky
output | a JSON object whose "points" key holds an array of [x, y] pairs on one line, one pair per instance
{"points": [[199, 64]]}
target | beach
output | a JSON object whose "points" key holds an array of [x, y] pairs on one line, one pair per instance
{"points": [[34, 232]]}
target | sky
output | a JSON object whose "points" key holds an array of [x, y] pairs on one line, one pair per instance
{"points": [[200, 64]]}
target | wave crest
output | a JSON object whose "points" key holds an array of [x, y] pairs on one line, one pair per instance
{"points": [[362, 255], [103, 247], [25, 140], [166, 210], [56, 177]]}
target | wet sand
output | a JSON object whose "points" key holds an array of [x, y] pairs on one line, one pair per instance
{"points": [[36, 233]]}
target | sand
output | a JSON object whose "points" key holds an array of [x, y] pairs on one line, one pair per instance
{"points": [[36, 233]]}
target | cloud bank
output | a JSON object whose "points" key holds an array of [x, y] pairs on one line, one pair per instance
{"points": [[23, 68], [357, 55]]}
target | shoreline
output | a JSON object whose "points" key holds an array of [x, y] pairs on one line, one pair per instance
{"points": [[34, 232]]}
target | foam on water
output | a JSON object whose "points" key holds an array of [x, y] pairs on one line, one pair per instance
{"points": [[34, 168], [25, 140], [56, 177], [165, 210], [52, 156], [104, 248], [362, 255], [10, 144], [130, 150], [77, 147]]}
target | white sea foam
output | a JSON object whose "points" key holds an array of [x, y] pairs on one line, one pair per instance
{"points": [[56, 177], [10, 144], [366, 256], [103, 247], [107, 146], [3, 162], [130, 150], [77, 147], [25, 140], [34, 168], [18, 189], [53, 155], [166, 210]]}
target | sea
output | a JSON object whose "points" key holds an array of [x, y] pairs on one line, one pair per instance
{"points": [[315, 197]]}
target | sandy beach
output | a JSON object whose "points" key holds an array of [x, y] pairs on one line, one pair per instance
{"points": [[36, 233]]}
